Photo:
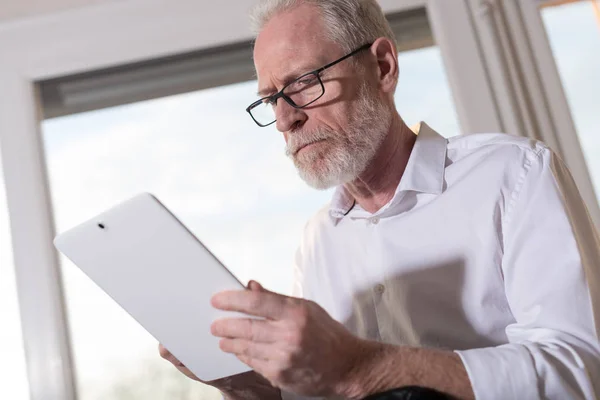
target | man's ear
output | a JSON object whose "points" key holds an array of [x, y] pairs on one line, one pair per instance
{"points": [[387, 63]]}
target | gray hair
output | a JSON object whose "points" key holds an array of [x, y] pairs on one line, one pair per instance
{"points": [[350, 23]]}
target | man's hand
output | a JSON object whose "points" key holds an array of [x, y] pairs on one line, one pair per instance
{"points": [[248, 385], [166, 354], [297, 346]]}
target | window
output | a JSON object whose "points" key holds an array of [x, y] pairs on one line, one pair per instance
{"points": [[230, 183], [574, 32], [423, 93]]}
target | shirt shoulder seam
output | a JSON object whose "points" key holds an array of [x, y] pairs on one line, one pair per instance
{"points": [[531, 155]]}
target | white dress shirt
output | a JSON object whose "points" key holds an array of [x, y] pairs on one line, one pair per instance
{"points": [[485, 249]]}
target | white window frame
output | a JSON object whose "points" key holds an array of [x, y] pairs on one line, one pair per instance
{"points": [[115, 33], [558, 107], [528, 92]]}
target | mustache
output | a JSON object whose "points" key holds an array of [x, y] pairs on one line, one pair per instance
{"points": [[300, 139]]}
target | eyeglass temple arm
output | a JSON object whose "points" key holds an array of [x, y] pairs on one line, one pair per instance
{"points": [[331, 64]]}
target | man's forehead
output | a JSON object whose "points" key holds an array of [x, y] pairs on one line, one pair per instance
{"points": [[280, 66], [288, 56], [291, 41], [280, 61], [282, 38]]}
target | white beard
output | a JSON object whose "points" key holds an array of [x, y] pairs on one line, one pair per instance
{"points": [[343, 156]]}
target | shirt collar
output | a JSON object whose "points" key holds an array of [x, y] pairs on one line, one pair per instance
{"points": [[427, 162], [424, 171]]}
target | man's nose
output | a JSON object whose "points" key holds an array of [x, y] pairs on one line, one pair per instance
{"points": [[288, 117]]}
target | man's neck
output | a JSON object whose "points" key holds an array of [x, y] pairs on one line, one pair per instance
{"points": [[375, 187]]}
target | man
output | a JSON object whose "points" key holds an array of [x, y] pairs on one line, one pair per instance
{"points": [[468, 266]]}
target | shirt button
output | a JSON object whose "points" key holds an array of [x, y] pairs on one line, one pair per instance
{"points": [[380, 288], [375, 220]]}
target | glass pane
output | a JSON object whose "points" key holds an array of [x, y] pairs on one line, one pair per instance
{"points": [[423, 93], [574, 33], [229, 182], [12, 368]]}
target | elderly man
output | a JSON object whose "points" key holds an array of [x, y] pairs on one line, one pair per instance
{"points": [[468, 266]]}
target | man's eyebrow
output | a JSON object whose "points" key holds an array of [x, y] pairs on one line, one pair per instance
{"points": [[287, 78]]}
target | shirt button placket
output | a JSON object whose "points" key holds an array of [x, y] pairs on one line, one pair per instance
{"points": [[378, 290]]}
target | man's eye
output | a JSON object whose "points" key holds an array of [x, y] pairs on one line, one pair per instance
{"points": [[270, 103], [307, 81]]}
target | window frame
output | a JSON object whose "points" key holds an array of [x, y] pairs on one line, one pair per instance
{"points": [[528, 91]]}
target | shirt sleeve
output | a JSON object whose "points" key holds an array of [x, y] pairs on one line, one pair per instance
{"points": [[551, 269]]}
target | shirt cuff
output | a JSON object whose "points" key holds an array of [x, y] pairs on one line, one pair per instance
{"points": [[503, 372]]}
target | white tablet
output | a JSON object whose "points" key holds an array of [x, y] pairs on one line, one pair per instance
{"points": [[156, 269]]}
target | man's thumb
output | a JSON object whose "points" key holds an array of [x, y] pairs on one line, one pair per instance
{"points": [[253, 285]]}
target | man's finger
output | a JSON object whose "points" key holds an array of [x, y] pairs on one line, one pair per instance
{"points": [[262, 367], [258, 303], [253, 285], [242, 347], [167, 355], [244, 328], [162, 350]]}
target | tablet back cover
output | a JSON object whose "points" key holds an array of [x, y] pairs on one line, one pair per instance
{"points": [[155, 269]]}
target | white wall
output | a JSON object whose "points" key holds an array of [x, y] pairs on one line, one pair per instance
{"points": [[19, 11], [15, 9]]}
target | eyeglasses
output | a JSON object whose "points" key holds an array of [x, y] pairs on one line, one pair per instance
{"points": [[299, 93]]}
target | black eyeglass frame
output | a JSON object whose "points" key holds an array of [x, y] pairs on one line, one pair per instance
{"points": [[274, 97]]}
